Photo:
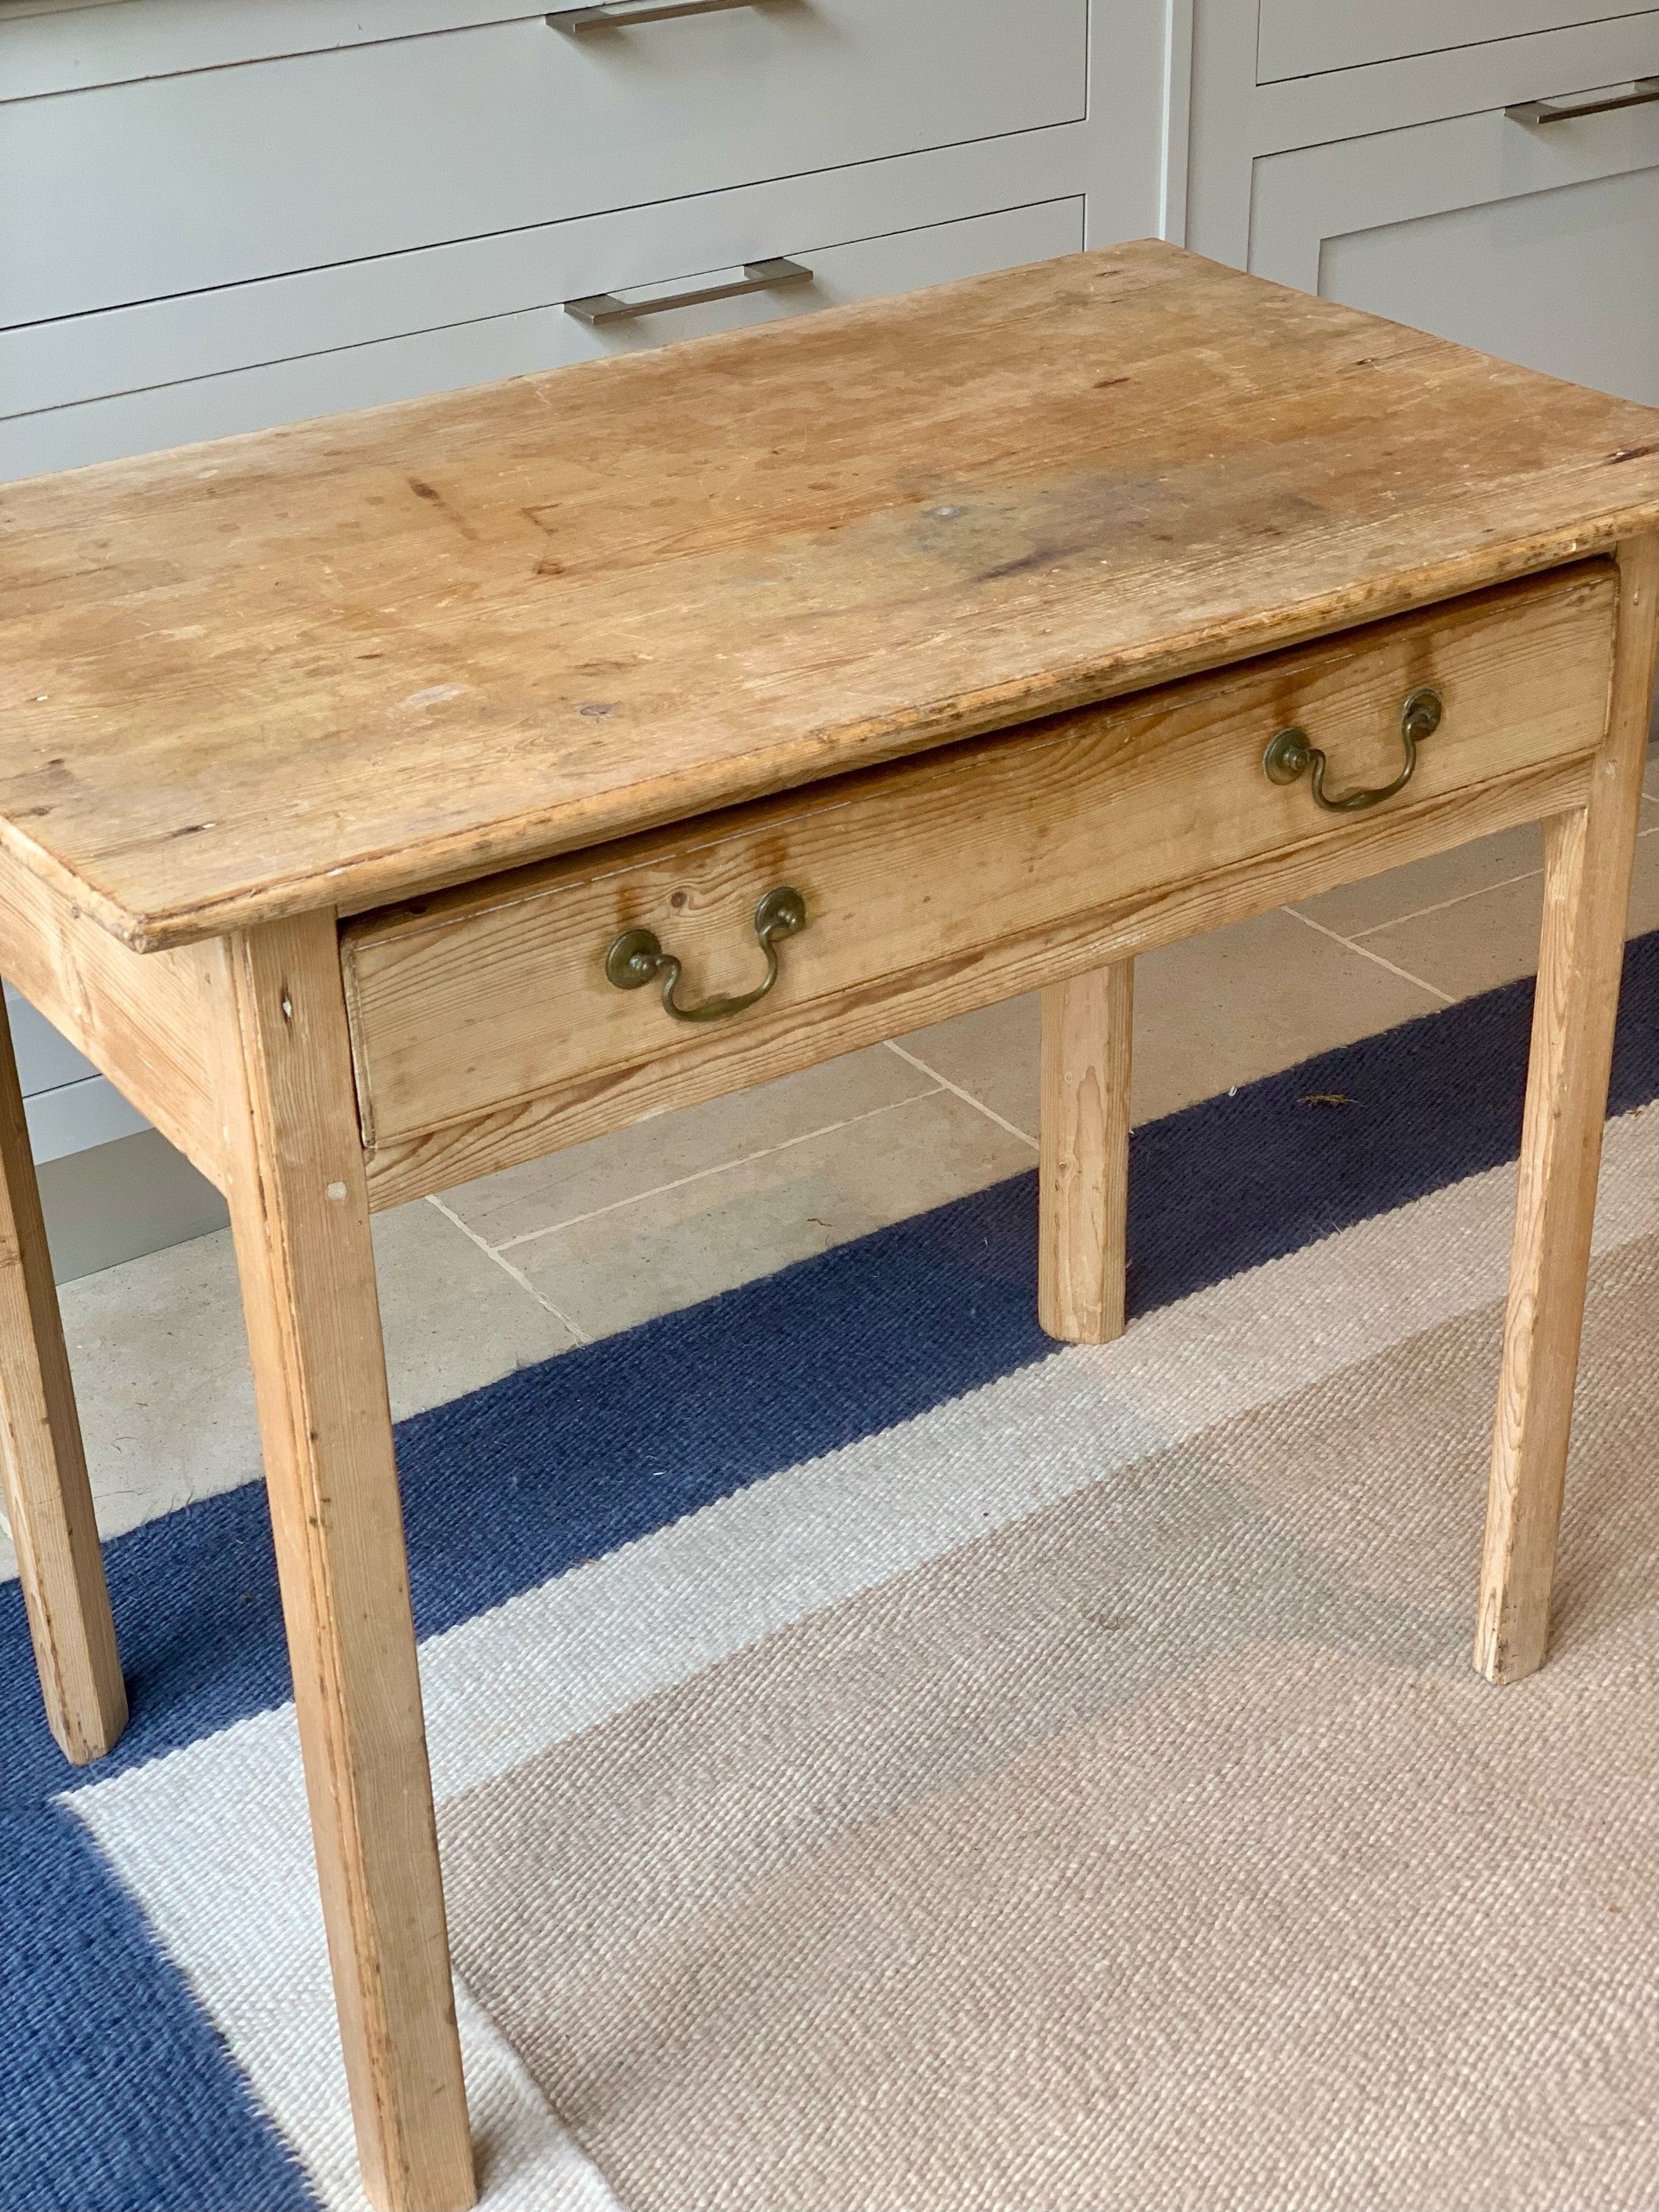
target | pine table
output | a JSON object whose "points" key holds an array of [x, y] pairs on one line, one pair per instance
{"points": [[390, 798]]}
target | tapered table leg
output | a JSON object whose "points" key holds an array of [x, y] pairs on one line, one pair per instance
{"points": [[48, 1499], [299, 1208], [1084, 1166], [1586, 888]]}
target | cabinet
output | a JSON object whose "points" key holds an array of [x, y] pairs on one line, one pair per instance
{"points": [[1300, 38], [204, 230], [204, 177], [1369, 155], [211, 364], [1541, 245]]}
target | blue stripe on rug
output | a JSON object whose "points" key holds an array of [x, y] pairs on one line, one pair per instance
{"points": [[119, 2095], [118, 2091]]}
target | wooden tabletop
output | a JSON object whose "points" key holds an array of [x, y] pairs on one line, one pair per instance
{"points": [[340, 663]]}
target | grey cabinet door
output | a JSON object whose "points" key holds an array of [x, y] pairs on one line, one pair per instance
{"points": [[1299, 38], [144, 190], [1539, 245]]}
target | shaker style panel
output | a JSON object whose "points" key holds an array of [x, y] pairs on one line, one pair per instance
{"points": [[1301, 38], [142, 190], [1535, 243], [70, 49], [204, 334]]}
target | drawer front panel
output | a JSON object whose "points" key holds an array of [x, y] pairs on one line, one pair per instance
{"points": [[141, 190], [244, 359], [73, 47], [1301, 38], [467, 1002]]}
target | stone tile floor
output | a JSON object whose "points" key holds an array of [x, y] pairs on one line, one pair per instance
{"points": [[524, 1265]]}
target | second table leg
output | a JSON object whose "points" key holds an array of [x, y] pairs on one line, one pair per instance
{"points": [[1084, 1171]]}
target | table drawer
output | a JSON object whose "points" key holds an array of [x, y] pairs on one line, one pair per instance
{"points": [[142, 190], [978, 869]]}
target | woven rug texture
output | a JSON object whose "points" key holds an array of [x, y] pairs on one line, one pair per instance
{"points": [[889, 1763]]}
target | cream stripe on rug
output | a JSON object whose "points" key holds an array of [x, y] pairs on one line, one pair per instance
{"points": [[565, 1655], [1142, 1852]]}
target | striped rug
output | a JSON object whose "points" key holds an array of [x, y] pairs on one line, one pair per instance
{"points": [[886, 1760]]}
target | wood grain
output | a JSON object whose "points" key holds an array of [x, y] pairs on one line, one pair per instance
{"points": [[1083, 1161], [337, 664], [1587, 856], [299, 1210], [571, 1111], [482, 996], [49, 1497], [145, 1023]]}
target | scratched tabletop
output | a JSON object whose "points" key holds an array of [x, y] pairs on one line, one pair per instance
{"points": [[332, 665]]}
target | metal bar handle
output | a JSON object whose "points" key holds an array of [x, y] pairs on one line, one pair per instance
{"points": [[617, 14], [1645, 93], [757, 277]]}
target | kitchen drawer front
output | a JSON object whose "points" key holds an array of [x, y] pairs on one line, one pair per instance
{"points": [[474, 347], [1302, 38], [1538, 245], [1234, 120], [955, 866], [140, 190], [48, 47]]}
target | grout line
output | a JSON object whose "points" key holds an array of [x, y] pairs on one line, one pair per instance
{"points": [[702, 1174], [966, 1096], [1365, 953], [1440, 904], [516, 1275]]}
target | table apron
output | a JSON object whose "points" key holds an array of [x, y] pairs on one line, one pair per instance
{"points": [[437, 1159], [486, 1031]]}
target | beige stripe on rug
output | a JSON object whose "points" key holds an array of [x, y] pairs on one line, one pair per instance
{"points": [[1158, 1850]]}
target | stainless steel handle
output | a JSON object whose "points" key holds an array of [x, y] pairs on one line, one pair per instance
{"points": [[617, 14], [757, 277], [1645, 93]]}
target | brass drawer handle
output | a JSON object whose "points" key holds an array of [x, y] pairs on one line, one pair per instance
{"points": [[1293, 752], [637, 958]]}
